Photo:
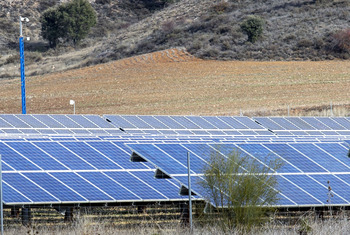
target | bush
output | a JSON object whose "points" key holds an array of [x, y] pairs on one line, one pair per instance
{"points": [[253, 27], [71, 22], [240, 188], [341, 41]]}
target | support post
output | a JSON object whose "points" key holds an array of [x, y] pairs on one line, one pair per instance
{"points": [[68, 215], [26, 216]]}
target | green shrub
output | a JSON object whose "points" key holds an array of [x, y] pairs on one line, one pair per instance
{"points": [[240, 188], [70, 22], [253, 27]]}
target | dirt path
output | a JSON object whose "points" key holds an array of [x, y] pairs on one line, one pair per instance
{"points": [[174, 82]]}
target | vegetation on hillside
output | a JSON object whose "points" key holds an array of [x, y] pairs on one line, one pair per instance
{"points": [[211, 29], [69, 22]]}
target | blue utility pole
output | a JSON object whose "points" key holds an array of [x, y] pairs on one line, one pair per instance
{"points": [[21, 55]]}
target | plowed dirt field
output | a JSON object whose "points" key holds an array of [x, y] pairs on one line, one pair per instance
{"points": [[174, 82]]}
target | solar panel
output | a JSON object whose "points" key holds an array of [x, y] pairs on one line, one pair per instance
{"points": [[31, 121], [98, 121], [284, 123], [330, 123], [300, 123], [202, 123], [119, 122], [167, 120], [342, 121], [153, 122], [14, 121], [185, 122], [315, 123], [268, 123], [48, 121]]}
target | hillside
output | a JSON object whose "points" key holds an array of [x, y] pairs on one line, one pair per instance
{"points": [[160, 83], [208, 29]]}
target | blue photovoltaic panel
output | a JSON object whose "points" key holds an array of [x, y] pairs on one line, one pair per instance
{"points": [[337, 151], [159, 158], [169, 122], [82, 121], [10, 195], [135, 185], [199, 121], [323, 159], [330, 123], [119, 122], [233, 123], [284, 123], [31, 121], [14, 121], [295, 193], [47, 131], [338, 185], [195, 183], [4, 124], [112, 188], [342, 121], [185, 122], [295, 158], [249, 122], [48, 121], [300, 123], [15, 160], [315, 123], [215, 121], [64, 120], [164, 186], [26, 187], [54, 187], [90, 155], [81, 186], [29, 131], [153, 122], [180, 154], [268, 123], [98, 121], [314, 188], [71, 160], [36, 156], [136, 122], [118, 155], [263, 154]]}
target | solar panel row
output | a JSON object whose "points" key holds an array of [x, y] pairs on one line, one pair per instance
{"points": [[304, 123], [303, 178], [182, 122]]}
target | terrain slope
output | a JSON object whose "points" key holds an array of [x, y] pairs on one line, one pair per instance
{"points": [[174, 82]]}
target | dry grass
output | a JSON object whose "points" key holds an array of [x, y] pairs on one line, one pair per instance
{"points": [[86, 226], [173, 82]]}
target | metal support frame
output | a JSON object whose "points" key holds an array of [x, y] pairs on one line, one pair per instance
{"points": [[1, 204], [26, 216], [189, 190]]}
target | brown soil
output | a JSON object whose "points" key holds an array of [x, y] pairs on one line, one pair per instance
{"points": [[174, 82]]}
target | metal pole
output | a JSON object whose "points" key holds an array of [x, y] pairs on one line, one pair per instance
{"points": [[189, 189], [74, 108], [331, 109], [1, 206], [21, 55]]}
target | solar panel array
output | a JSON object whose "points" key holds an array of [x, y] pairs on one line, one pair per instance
{"points": [[50, 159]]}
